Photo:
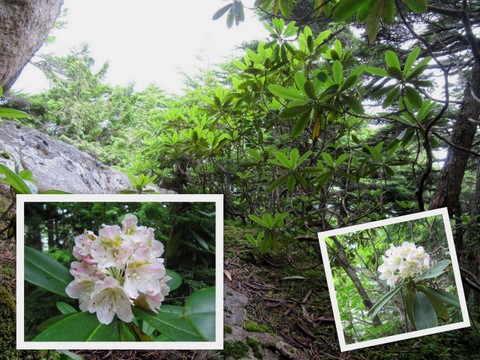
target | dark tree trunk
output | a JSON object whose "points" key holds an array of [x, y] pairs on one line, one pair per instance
{"points": [[450, 182], [343, 259], [24, 25]]}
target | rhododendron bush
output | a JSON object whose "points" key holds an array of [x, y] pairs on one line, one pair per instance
{"points": [[120, 281], [409, 268]]}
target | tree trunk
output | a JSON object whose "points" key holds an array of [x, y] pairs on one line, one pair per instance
{"points": [[450, 182], [343, 259], [24, 26]]}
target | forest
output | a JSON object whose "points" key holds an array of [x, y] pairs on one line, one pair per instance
{"points": [[351, 112]]}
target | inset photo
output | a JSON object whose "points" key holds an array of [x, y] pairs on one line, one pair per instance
{"points": [[394, 279], [120, 272]]}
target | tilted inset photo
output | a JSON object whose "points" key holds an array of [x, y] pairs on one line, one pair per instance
{"points": [[120, 272], [394, 279]]}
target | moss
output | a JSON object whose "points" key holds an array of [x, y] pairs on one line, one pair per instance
{"points": [[228, 329], [251, 326], [255, 346], [8, 331], [235, 350]]}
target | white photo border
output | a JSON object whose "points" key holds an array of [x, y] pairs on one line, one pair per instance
{"points": [[413, 334], [122, 198]]}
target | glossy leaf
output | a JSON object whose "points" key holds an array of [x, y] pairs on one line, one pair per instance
{"points": [[423, 312], [384, 300], [413, 97], [169, 324], [176, 280], [444, 296], [434, 271], [412, 57], [417, 6], [200, 312], [43, 271], [15, 181], [6, 113], [353, 103], [286, 93], [440, 308], [346, 9], [392, 60], [65, 308], [300, 125], [80, 326]]}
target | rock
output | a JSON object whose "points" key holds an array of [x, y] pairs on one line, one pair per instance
{"points": [[55, 164], [252, 345]]}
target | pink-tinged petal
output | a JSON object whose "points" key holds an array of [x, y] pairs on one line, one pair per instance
{"points": [[82, 270], [143, 278], [81, 290], [129, 224], [109, 299]]}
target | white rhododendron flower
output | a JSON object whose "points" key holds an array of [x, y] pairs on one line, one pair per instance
{"points": [[402, 262], [119, 268]]}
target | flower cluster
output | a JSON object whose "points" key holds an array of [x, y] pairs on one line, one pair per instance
{"points": [[118, 268], [401, 262]]}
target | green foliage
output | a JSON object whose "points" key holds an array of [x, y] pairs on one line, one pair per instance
{"points": [[41, 270]]}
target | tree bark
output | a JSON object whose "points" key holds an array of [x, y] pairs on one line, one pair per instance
{"points": [[343, 259], [449, 185], [24, 26]]}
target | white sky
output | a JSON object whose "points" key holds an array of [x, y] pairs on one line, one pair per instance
{"points": [[150, 42]]}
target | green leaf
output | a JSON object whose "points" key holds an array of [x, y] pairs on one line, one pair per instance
{"points": [[434, 271], [80, 326], [291, 181], [65, 308], [413, 97], [391, 97], [15, 181], [258, 220], [43, 271], [423, 312], [353, 103], [175, 281], [383, 301], [376, 71], [219, 13], [200, 240], [412, 57], [300, 125], [377, 155], [200, 312], [337, 69], [6, 113], [328, 159], [417, 6], [395, 73], [286, 93], [277, 182], [440, 308], [309, 90], [392, 60], [444, 296], [294, 111], [170, 324], [346, 8]]}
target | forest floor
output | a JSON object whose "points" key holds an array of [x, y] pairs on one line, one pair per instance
{"points": [[286, 313]]}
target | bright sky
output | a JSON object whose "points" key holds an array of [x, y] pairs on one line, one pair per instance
{"points": [[151, 42]]}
